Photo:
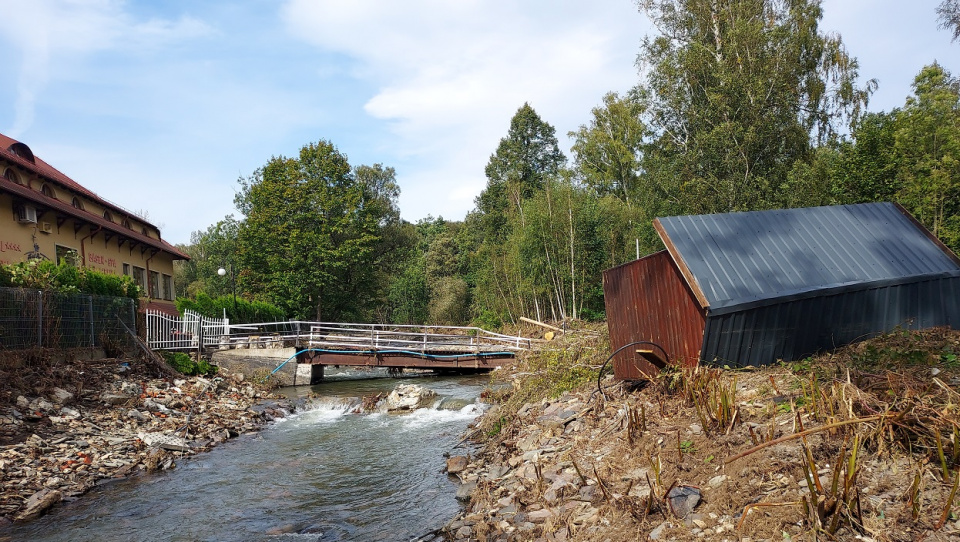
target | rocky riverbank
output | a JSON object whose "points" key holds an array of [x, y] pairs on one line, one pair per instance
{"points": [[718, 454], [66, 430]]}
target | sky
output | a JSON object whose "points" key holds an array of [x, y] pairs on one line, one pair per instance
{"points": [[160, 107]]}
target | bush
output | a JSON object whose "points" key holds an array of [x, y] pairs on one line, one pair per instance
{"points": [[245, 312], [65, 278], [184, 364]]}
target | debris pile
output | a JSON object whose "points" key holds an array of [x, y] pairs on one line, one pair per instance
{"points": [[58, 444], [863, 443]]}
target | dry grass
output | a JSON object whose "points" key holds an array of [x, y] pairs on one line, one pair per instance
{"points": [[864, 441]]}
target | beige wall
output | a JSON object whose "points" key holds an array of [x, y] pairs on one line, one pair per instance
{"points": [[16, 240]]}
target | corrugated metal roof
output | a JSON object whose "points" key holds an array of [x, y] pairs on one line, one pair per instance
{"points": [[738, 259]]}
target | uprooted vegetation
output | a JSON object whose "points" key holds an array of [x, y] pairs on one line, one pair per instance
{"points": [[864, 441]]}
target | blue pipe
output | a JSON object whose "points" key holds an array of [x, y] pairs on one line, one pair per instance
{"points": [[408, 352]]}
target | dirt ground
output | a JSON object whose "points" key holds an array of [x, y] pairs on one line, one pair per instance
{"points": [[858, 444]]}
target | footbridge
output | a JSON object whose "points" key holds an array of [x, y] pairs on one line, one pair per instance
{"points": [[319, 344]]}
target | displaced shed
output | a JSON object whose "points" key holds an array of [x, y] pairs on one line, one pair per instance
{"points": [[755, 287]]}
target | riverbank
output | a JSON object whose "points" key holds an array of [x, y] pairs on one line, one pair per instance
{"points": [[68, 427], [716, 454]]}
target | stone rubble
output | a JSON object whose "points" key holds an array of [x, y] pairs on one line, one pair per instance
{"points": [[129, 427], [531, 488]]}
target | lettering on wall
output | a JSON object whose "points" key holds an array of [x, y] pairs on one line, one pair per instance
{"points": [[7, 246], [6, 250], [100, 259]]}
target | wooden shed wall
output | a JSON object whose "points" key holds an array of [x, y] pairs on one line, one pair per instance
{"points": [[648, 300]]}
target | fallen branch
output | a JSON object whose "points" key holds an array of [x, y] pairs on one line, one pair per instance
{"points": [[801, 434], [541, 324]]}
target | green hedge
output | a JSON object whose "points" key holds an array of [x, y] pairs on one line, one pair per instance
{"points": [[65, 278], [246, 312]]}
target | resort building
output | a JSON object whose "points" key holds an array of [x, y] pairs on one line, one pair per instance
{"points": [[48, 216]]}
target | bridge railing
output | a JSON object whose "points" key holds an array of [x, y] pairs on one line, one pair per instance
{"points": [[410, 337], [187, 331]]}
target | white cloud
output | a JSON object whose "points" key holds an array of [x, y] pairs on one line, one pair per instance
{"points": [[451, 74], [47, 31]]}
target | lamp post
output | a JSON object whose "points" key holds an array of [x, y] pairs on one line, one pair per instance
{"points": [[233, 285]]}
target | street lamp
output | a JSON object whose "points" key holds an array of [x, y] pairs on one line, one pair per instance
{"points": [[233, 285]]}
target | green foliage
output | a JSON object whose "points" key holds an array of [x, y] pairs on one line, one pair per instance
{"points": [[524, 160], [928, 149], [65, 278], [736, 93], [209, 251], [315, 237], [608, 151], [243, 312], [910, 155], [184, 364]]}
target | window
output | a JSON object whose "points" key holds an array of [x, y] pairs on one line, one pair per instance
{"points": [[77, 204], [67, 255], [12, 176], [140, 277], [22, 151], [126, 269], [108, 216], [168, 288], [47, 191], [154, 285]]}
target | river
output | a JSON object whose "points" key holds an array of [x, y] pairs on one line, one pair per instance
{"points": [[321, 474]]}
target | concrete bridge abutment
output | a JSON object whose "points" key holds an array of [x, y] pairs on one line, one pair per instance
{"points": [[309, 374]]}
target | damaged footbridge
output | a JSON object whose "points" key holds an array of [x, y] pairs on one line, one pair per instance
{"points": [[320, 344]]}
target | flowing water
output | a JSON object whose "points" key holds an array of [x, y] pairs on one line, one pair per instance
{"points": [[322, 474]]}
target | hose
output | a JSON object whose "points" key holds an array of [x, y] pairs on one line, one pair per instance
{"points": [[617, 351], [407, 352]]}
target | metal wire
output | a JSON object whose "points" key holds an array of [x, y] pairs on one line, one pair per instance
{"points": [[617, 351], [45, 319]]}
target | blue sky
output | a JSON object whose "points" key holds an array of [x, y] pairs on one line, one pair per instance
{"points": [[161, 106]]}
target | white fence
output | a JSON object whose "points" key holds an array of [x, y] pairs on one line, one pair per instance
{"points": [[166, 332]]}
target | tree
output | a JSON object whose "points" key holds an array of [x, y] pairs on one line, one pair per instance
{"points": [[608, 150], [209, 250], [948, 14], [928, 149], [518, 169], [738, 91], [312, 231]]}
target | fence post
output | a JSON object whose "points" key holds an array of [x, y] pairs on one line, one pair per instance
{"points": [[90, 314], [39, 318]]}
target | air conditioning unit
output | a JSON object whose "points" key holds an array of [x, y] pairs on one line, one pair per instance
{"points": [[26, 214], [46, 227]]}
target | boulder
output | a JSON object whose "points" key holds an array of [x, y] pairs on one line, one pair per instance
{"points": [[466, 491], [38, 503], [456, 464], [409, 397], [61, 396], [114, 398], [164, 441]]}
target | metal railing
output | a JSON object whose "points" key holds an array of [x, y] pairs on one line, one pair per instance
{"points": [[173, 333], [47, 319]]}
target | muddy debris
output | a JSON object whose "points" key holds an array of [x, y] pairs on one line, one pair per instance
{"points": [[56, 444]]}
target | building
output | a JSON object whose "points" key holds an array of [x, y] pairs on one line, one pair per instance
{"points": [[46, 215], [753, 288]]}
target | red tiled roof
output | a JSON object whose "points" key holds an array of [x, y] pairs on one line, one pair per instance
{"points": [[49, 172]]}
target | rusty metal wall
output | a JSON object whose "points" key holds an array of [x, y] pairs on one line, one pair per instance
{"points": [[648, 300], [798, 328]]}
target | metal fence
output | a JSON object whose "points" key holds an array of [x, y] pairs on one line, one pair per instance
{"points": [[167, 332], [47, 319]]}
